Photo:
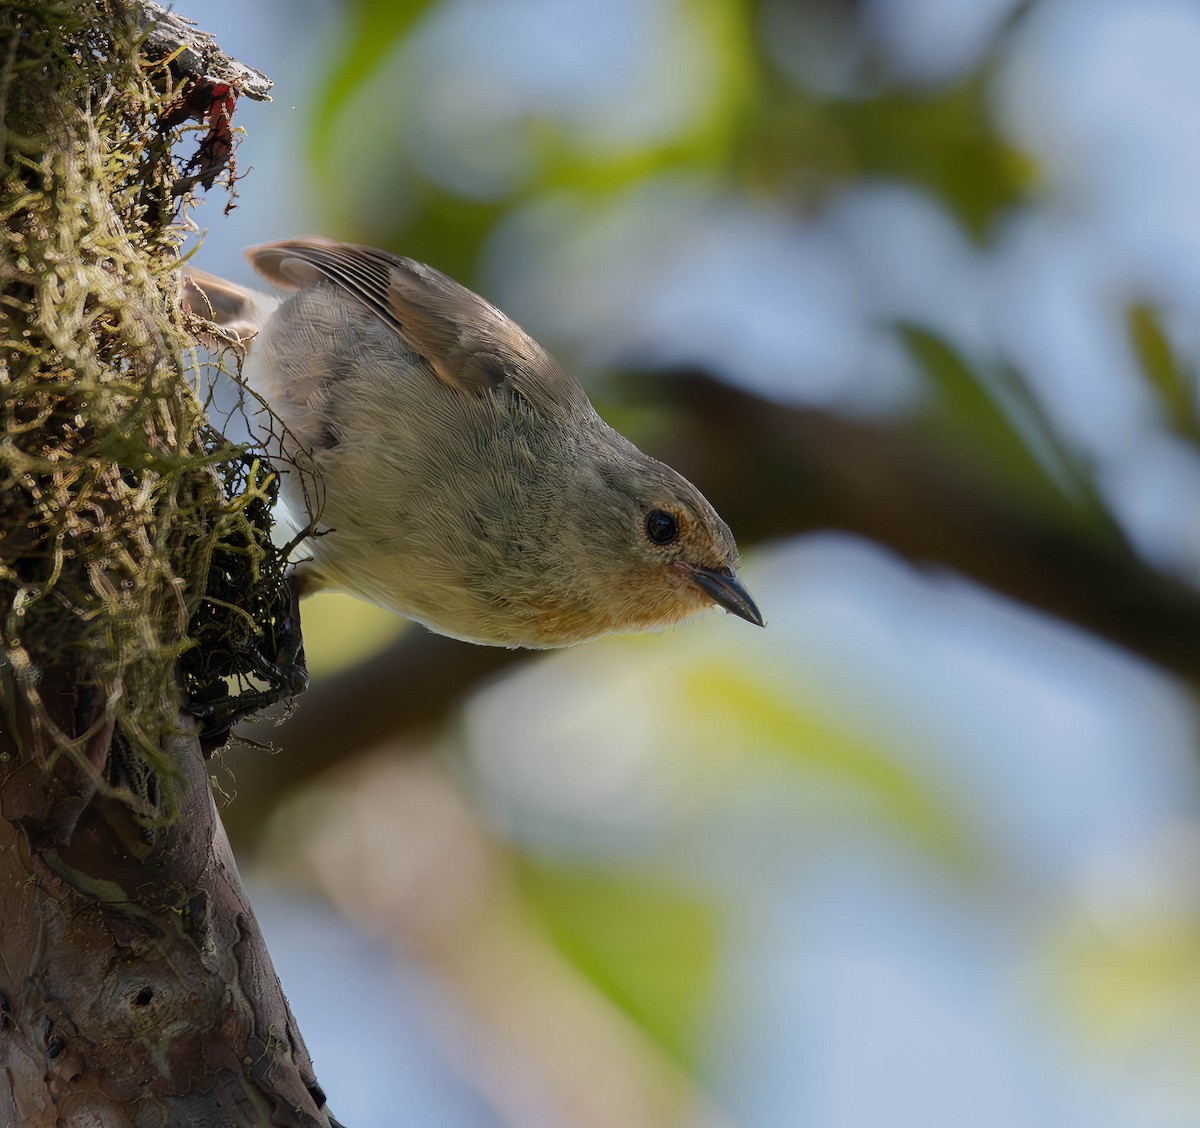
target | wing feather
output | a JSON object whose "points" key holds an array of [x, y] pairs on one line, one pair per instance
{"points": [[468, 344]]}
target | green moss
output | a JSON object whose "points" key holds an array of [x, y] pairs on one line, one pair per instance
{"points": [[119, 504]]}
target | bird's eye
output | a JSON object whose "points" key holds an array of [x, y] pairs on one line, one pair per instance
{"points": [[661, 527]]}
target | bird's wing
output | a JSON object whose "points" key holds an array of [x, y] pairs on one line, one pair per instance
{"points": [[238, 311], [470, 345]]}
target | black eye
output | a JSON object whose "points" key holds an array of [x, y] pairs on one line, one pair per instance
{"points": [[661, 527]]}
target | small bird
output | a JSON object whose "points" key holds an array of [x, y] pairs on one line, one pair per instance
{"points": [[465, 480]]}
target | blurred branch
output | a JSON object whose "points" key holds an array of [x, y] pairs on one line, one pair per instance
{"points": [[777, 471], [407, 688]]}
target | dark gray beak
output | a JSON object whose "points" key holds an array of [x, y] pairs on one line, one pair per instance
{"points": [[724, 588]]}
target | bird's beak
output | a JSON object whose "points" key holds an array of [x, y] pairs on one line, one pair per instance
{"points": [[724, 588]]}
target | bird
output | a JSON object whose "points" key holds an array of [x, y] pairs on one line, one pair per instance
{"points": [[465, 481]]}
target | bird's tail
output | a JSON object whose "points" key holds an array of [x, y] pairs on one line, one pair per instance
{"points": [[237, 312]]}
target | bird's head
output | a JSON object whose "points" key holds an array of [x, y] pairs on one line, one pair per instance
{"points": [[658, 553]]}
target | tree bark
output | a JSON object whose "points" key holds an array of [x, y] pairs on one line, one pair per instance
{"points": [[135, 986]]}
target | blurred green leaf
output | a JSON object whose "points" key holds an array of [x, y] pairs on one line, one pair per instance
{"points": [[764, 718], [1168, 379], [1072, 473], [1003, 421], [972, 407], [374, 28], [445, 228], [445, 231], [944, 142], [650, 947], [1132, 990], [340, 631]]}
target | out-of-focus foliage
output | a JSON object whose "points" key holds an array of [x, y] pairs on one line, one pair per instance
{"points": [[1174, 385], [939, 140], [646, 944], [999, 418], [893, 818], [758, 718]]}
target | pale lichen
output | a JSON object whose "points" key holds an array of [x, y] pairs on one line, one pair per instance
{"points": [[124, 516]]}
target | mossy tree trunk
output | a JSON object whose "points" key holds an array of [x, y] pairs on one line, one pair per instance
{"points": [[135, 988]]}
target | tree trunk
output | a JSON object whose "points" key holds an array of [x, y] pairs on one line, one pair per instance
{"points": [[135, 987]]}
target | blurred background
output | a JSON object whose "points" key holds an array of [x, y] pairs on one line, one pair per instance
{"points": [[911, 289]]}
